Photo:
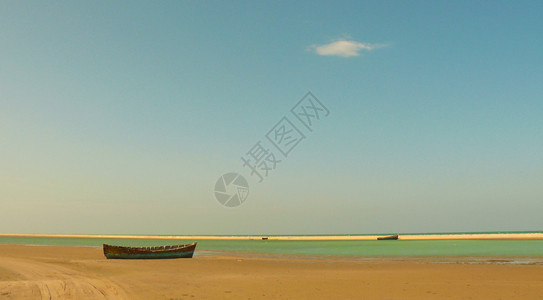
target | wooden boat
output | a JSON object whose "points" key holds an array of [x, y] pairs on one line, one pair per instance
{"points": [[390, 237], [175, 251]]}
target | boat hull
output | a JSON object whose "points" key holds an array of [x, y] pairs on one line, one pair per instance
{"points": [[162, 252], [391, 237]]}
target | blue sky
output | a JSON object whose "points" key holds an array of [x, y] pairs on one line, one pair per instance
{"points": [[120, 117]]}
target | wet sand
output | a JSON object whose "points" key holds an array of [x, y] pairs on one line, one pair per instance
{"points": [[59, 272]]}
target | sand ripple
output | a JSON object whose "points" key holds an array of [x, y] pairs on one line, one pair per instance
{"points": [[38, 280]]}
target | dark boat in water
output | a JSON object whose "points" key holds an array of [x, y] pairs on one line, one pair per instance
{"points": [[390, 237], [175, 251]]}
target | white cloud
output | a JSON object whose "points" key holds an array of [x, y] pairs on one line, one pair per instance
{"points": [[343, 48]]}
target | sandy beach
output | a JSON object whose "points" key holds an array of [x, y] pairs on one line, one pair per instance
{"points": [[60, 272], [474, 236]]}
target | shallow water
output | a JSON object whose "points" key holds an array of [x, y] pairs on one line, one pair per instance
{"points": [[425, 248]]}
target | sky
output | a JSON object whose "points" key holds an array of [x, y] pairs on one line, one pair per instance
{"points": [[120, 117]]}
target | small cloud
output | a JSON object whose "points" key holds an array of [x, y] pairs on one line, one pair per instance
{"points": [[343, 48]]}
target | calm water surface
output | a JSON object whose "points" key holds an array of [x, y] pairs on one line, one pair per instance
{"points": [[497, 248]]}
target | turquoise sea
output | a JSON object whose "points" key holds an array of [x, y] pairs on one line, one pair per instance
{"points": [[431, 248]]}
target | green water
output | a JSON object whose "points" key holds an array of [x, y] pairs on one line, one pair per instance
{"points": [[488, 248]]}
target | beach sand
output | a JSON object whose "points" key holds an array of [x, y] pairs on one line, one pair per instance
{"points": [[59, 272], [463, 236], [413, 237]]}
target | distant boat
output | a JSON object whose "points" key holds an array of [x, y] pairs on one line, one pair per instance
{"points": [[175, 251], [389, 237]]}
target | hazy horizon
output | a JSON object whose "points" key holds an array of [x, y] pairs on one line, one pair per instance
{"points": [[120, 117]]}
